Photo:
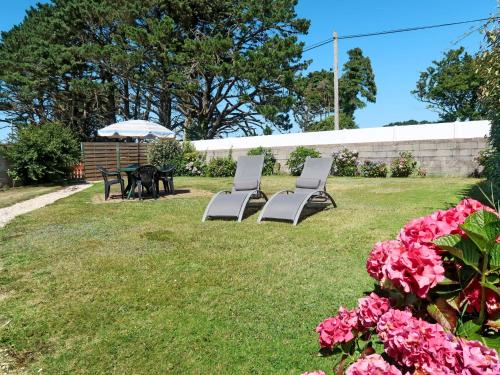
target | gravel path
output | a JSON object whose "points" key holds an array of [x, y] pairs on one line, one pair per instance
{"points": [[9, 213]]}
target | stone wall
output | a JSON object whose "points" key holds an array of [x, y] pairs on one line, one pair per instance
{"points": [[443, 157]]}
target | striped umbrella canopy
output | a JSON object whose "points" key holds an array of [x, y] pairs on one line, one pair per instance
{"points": [[139, 129]]}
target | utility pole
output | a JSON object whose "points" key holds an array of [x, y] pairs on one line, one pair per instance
{"points": [[336, 78]]}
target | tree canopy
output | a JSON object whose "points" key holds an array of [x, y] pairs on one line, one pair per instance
{"points": [[451, 85], [314, 108], [207, 68]]}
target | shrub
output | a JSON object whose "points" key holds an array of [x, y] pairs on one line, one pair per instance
{"points": [[221, 167], [295, 162], [486, 159], [404, 165], [373, 169], [421, 172], [345, 163], [42, 153], [435, 302], [166, 151], [194, 164], [269, 159]]}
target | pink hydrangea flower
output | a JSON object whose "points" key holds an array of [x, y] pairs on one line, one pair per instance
{"points": [[338, 329], [382, 253], [475, 358], [426, 229], [417, 344], [374, 365], [317, 372], [370, 309], [417, 270]]}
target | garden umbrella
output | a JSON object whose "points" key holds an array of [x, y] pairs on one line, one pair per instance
{"points": [[139, 129]]}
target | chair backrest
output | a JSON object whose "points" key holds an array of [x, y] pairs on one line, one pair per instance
{"points": [[146, 174], [104, 173], [248, 173], [314, 174]]}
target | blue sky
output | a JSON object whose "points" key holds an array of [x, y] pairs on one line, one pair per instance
{"points": [[397, 59]]}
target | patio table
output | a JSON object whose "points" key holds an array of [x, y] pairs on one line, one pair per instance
{"points": [[130, 169]]}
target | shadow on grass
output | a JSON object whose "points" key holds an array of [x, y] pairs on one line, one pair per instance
{"points": [[484, 192]]}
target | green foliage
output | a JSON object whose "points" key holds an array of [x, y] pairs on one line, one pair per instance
{"points": [[408, 122], [165, 152], [314, 107], [486, 160], [345, 122], [269, 159], [42, 153], [345, 163], [356, 83], [193, 164], [206, 67], [404, 165], [297, 158], [451, 87], [221, 167], [479, 257], [14, 176], [373, 169], [488, 69]]}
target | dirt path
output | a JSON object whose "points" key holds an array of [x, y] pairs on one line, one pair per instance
{"points": [[9, 213]]}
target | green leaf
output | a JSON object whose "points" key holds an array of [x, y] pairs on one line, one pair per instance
{"points": [[461, 248], [491, 286], [469, 330], [447, 281], [482, 227], [443, 313], [495, 255]]}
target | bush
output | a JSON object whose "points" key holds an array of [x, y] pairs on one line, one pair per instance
{"points": [[221, 167], [433, 303], [298, 157], [404, 165], [194, 164], [269, 159], [166, 151], [486, 159], [42, 153], [345, 163], [373, 169]]}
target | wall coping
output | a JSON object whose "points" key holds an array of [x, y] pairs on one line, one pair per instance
{"points": [[448, 130]]}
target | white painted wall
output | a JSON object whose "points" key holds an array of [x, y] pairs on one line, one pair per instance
{"points": [[449, 130]]}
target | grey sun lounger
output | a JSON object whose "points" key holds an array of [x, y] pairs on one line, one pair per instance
{"points": [[309, 187], [246, 186]]}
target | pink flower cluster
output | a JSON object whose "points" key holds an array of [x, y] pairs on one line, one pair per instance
{"points": [[414, 269], [412, 262], [318, 372], [472, 294], [345, 326], [374, 365], [338, 329], [427, 348]]}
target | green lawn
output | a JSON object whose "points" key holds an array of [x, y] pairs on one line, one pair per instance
{"points": [[145, 287], [14, 195]]}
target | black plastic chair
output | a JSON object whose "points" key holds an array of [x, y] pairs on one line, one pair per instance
{"points": [[145, 178], [166, 175], [108, 182]]}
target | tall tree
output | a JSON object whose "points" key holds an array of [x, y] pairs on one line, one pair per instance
{"points": [[451, 85], [208, 67], [314, 108]]}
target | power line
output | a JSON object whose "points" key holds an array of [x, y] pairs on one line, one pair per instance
{"points": [[353, 36]]}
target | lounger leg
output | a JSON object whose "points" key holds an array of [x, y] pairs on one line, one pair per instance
{"points": [[331, 198]]}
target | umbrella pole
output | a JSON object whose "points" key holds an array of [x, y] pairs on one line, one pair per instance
{"points": [[138, 153]]}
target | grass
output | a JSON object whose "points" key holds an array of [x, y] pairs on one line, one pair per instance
{"points": [[145, 287], [11, 196]]}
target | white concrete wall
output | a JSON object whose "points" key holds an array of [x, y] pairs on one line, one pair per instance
{"points": [[450, 130]]}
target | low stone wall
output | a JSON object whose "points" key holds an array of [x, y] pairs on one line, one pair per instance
{"points": [[443, 157], [4, 179]]}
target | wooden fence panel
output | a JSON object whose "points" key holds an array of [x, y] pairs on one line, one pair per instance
{"points": [[111, 155]]}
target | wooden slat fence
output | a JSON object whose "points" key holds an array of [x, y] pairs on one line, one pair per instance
{"points": [[111, 155]]}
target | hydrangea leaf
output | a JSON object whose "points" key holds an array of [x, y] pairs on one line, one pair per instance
{"points": [[495, 255], [469, 330], [482, 227], [461, 248], [443, 313]]}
